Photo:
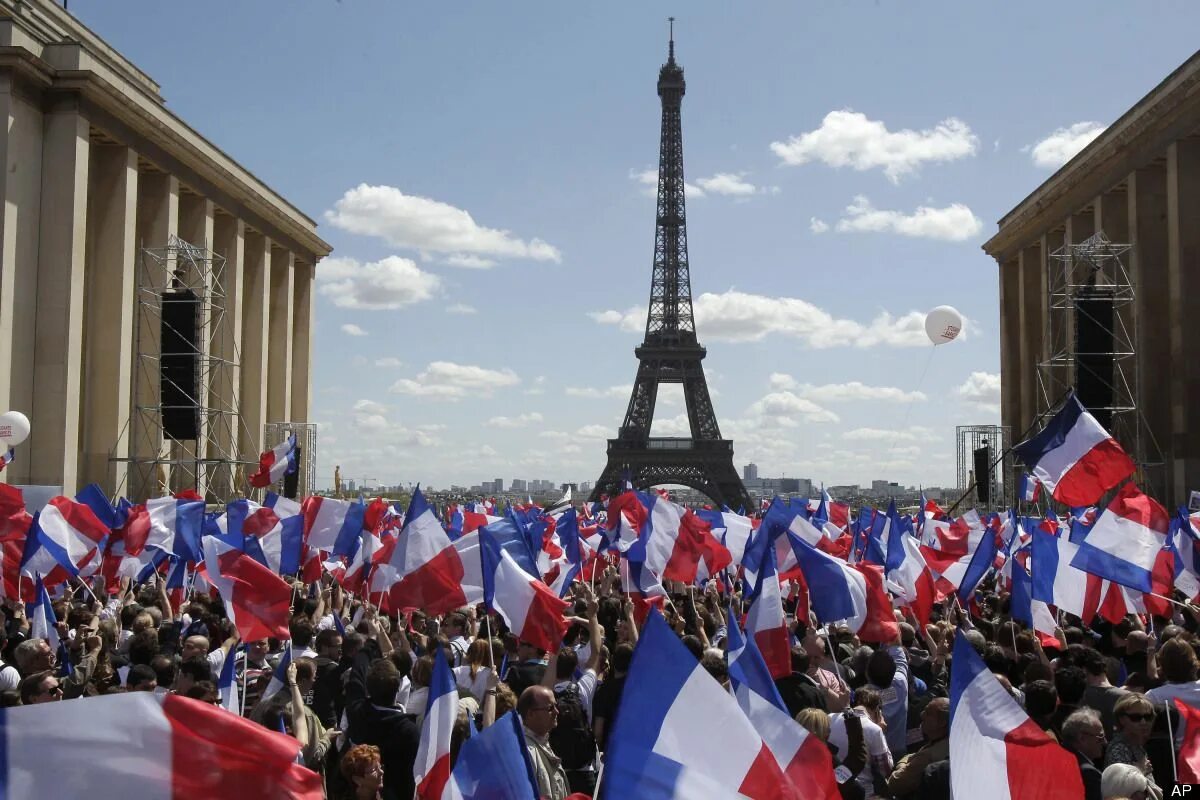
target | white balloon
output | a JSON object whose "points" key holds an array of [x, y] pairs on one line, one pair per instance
{"points": [[14, 427], [943, 324]]}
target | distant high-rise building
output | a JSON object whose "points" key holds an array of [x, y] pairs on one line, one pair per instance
{"points": [[350, 486], [750, 472], [498, 485], [517, 485]]}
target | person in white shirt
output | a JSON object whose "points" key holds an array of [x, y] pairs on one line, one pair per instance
{"points": [[879, 755], [473, 675], [455, 627], [1178, 664]]}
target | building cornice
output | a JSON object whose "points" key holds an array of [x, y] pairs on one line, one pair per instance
{"points": [[1168, 112]]}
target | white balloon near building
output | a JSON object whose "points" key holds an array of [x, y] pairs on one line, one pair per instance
{"points": [[14, 428], [943, 325]]}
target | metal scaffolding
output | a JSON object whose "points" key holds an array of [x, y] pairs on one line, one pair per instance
{"points": [[158, 464], [1001, 481], [1083, 277]]}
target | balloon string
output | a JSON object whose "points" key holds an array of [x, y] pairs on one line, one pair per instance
{"points": [[909, 405]]}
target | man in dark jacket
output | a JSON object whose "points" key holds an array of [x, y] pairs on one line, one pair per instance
{"points": [[327, 698], [800, 690], [1083, 735], [371, 710]]}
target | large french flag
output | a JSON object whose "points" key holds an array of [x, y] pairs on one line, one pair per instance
{"points": [[689, 738], [272, 541], [803, 758], [273, 464], [1126, 539], [766, 622], [69, 535], [1058, 582], [43, 624], [1009, 756], [431, 769], [257, 601], [175, 526], [677, 541], [627, 515], [570, 565], [840, 591], [328, 521], [912, 580], [148, 746], [733, 530], [1074, 457], [493, 765], [532, 611], [420, 568]]}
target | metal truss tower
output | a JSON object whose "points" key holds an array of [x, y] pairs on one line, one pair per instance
{"points": [[670, 352]]}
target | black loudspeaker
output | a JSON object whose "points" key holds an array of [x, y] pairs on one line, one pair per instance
{"points": [[983, 474], [1094, 351], [291, 481], [179, 367]]}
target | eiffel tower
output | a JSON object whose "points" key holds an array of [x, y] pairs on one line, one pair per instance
{"points": [[670, 353]]}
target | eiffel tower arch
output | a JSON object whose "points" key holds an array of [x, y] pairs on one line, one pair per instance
{"points": [[670, 352]]}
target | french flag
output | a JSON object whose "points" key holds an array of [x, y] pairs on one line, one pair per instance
{"points": [[804, 759], [1035, 614], [1058, 582], [279, 676], [732, 529], [689, 738], [493, 765], [532, 611], [627, 516], [1125, 541], [431, 769], [328, 522], [1009, 756], [68, 535], [43, 624], [840, 591], [176, 526], [913, 581], [1075, 457], [981, 562], [358, 571], [1030, 488], [275, 463], [7, 458], [227, 686], [643, 587], [256, 600], [271, 541], [420, 568], [765, 621], [571, 564], [677, 541], [154, 747]]}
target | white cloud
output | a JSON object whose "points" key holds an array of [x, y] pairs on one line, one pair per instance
{"points": [[460, 308], [648, 178], [728, 183], [370, 407], [488, 451], [735, 316], [388, 361], [538, 387], [786, 409], [982, 390], [595, 432], [350, 329], [854, 391], [954, 223], [470, 262], [429, 226], [818, 225], [591, 391], [389, 283], [849, 139], [778, 380], [450, 381], [677, 425], [371, 423], [1061, 146], [558, 436], [878, 435], [515, 422]]}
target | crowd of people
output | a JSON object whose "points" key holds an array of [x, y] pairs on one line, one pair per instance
{"points": [[357, 681]]}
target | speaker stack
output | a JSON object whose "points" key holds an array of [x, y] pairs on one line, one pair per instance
{"points": [[1094, 319]]}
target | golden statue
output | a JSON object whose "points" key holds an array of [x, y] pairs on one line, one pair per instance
{"points": [[337, 481]]}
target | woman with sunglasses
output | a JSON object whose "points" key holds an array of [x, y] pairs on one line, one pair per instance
{"points": [[1135, 720]]}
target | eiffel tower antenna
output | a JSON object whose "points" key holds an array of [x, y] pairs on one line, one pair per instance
{"points": [[670, 352]]}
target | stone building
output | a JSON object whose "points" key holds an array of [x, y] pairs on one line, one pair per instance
{"points": [[96, 167], [1139, 184]]}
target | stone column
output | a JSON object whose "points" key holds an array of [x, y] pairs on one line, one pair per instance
{"points": [[1056, 338], [21, 191], [109, 316], [1183, 282], [1147, 199], [1032, 289], [157, 222], [1010, 344], [196, 228], [229, 240], [58, 349], [302, 317], [279, 376], [256, 285]]}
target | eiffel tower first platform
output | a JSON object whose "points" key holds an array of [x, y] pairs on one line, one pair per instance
{"points": [[670, 353]]}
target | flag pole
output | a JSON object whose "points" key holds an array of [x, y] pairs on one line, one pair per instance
{"points": [[1171, 739]]}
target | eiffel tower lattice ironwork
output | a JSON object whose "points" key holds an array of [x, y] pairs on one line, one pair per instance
{"points": [[670, 352]]}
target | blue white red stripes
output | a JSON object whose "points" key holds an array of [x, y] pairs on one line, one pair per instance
{"points": [[273, 464], [431, 769], [532, 611], [1125, 541]]}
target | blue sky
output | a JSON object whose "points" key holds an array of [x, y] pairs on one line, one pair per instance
{"points": [[477, 168]]}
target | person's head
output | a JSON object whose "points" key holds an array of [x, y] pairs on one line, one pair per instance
{"points": [[1083, 732], [538, 710], [422, 671], [1135, 717], [1070, 683], [1093, 663], [144, 621], [528, 652], [143, 646], [34, 655], [935, 719], [881, 668], [568, 660], [1123, 781], [256, 651], [362, 767], [1136, 642], [477, 652], [306, 674], [815, 721], [191, 672], [193, 646], [40, 687], [1178, 661], [205, 692], [694, 645], [164, 670], [800, 658], [506, 699], [302, 632], [870, 701], [455, 624], [1041, 699], [329, 644], [403, 659], [621, 657], [713, 662], [813, 644], [128, 614], [141, 678], [975, 638], [383, 682], [908, 636], [352, 643]]}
